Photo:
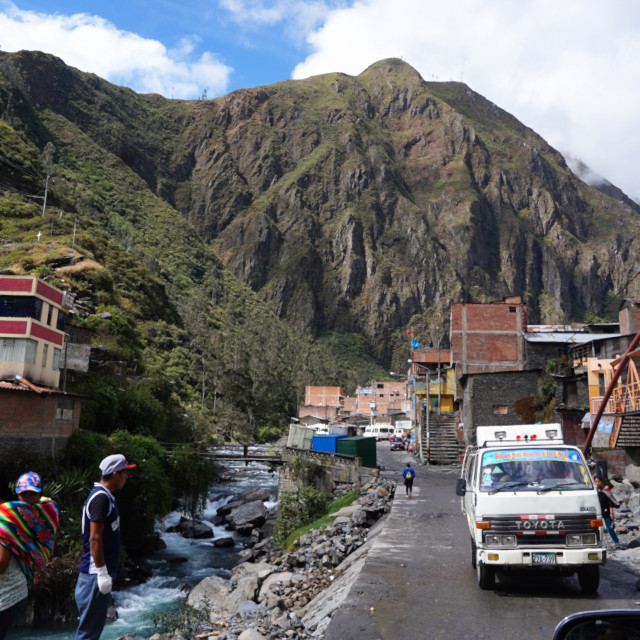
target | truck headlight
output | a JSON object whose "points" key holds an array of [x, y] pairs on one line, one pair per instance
{"points": [[581, 539], [497, 540]]}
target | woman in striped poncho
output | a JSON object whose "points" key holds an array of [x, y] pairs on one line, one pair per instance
{"points": [[27, 534]]}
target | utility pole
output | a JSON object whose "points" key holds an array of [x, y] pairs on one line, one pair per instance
{"points": [[372, 404], [439, 380], [44, 201]]}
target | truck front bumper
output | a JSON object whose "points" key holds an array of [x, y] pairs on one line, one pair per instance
{"points": [[542, 558]]}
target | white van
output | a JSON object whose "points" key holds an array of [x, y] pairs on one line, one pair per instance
{"points": [[381, 431], [530, 503]]}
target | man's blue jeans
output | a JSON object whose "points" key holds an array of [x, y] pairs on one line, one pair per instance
{"points": [[92, 606], [612, 532]]}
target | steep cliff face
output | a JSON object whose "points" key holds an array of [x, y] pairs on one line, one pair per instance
{"points": [[355, 204]]}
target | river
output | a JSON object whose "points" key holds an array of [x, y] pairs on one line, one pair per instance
{"points": [[182, 562]]}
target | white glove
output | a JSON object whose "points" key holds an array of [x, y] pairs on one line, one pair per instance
{"points": [[105, 583]]}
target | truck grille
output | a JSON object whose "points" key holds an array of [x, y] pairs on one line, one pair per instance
{"points": [[542, 530]]}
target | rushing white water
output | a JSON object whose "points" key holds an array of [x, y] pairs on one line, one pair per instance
{"points": [[183, 562]]}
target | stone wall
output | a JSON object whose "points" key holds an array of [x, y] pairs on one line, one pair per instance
{"points": [[332, 473], [492, 399]]}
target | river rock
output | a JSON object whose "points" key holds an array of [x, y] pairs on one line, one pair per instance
{"points": [[633, 503], [243, 498], [251, 634], [247, 516], [345, 511], [632, 474], [221, 543], [192, 529], [211, 595], [250, 569], [273, 583]]}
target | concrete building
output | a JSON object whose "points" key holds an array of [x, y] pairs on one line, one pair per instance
{"points": [[35, 415], [488, 337], [382, 399], [323, 402], [32, 323]]}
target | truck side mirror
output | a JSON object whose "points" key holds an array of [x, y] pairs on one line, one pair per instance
{"points": [[461, 486], [593, 625]]}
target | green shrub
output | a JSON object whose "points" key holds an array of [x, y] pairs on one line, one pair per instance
{"points": [[100, 412], [147, 493], [84, 450], [299, 508], [191, 475]]}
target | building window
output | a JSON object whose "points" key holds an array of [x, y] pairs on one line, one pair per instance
{"points": [[30, 351], [18, 350], [55, 365], [37, 309], [45, 353], [60, 322], [49, 315], [64, 409], [500, 409]]}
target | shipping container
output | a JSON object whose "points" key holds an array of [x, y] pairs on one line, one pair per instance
{"points": [[326, 442], [360, 446], [300, 437]]}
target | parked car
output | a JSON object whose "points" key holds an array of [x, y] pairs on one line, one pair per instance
{"points": [[396, 444]]}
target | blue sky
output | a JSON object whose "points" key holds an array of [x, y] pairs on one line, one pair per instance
{"points": [[566, 68]]}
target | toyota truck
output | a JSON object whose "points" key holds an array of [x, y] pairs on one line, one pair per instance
{"points": [[530, 503]]}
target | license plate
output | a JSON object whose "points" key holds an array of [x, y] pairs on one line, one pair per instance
{"points": [[543, 558]]}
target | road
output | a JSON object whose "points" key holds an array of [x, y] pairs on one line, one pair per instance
{"points": [[418, 583]]}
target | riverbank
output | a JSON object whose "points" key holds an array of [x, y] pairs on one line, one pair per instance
{"points": [[176, 569], [290, 595]]}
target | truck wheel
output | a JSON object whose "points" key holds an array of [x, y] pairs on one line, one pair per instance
{"points": [[473, 553], [589, 578], [486, 576]]}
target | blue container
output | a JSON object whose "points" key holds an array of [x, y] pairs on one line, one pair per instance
{"points": [[326, 442]]}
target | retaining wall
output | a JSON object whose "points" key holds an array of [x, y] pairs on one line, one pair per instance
{"points": [[332, 473]]}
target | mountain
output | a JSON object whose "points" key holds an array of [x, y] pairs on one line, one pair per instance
{"points": [[354, 205]]}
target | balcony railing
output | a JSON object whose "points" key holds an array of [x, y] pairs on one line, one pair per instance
{"points": [[624, 399]]}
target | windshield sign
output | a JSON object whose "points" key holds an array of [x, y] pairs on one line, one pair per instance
{"points": [[541, 470]]}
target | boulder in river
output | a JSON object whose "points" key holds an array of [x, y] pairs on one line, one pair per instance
{"points": [[243, 498], [246, 517], [221, 543], [192, 529]]}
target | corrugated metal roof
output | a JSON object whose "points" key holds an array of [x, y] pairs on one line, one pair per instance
{"points": [[568, 338]]}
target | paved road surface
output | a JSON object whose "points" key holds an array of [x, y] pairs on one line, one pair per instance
{"points": [[418, 583]]}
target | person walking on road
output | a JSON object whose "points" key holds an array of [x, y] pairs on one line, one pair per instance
{"points": [[607, 503], [408, 474], [101, 542]]}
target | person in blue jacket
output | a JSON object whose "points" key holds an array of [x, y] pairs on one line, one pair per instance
{"points": [[101, 542], [408, 474]]}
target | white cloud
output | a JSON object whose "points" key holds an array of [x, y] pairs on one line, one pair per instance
{"points": [[566, 69], [299, 17], [95, 45]]}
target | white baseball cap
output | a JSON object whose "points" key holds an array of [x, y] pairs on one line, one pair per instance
{"points": [[114, 463]]}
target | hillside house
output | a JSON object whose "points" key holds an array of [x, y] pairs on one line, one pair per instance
{"points": [[35, 414]]}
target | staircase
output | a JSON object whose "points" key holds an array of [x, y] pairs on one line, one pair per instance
{"points": [[444, 446]]}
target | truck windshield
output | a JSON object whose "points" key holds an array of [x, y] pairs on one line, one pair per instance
{"points": [[547, 469]]}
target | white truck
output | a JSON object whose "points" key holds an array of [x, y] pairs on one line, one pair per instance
{"points": [[530, 503]]}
